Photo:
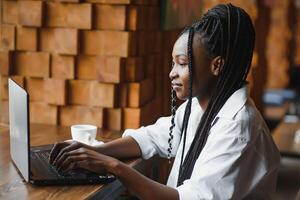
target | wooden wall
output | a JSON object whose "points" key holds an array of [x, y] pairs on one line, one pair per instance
{"points": [[106, 62], [92, 61]]}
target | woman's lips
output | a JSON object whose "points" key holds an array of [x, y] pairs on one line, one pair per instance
{"points": [[176, 86]]}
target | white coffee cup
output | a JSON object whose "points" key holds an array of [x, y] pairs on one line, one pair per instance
{"points": [[84, 133]]}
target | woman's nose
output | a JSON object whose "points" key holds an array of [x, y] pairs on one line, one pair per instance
{"points": [[173, 73]]}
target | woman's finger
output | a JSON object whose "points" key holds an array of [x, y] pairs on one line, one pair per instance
{"points": [[63, 153], [55, 150], [69, 161]]}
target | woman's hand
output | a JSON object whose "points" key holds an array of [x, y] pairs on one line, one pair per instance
{"points": [[73, 155], [60, 147]]}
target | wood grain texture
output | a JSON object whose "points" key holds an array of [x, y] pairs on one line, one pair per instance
{"points": [[55, 91], [7, 37], [10, 12], [26, 39], [32, 64], [13, 187], [35, 88], [113, 119], [5, 63], [69, 15], [79, 92], [30, 13], [110, 17], [70, 115], [109, 43], [105, 95], [43, 113], [59, 40], [62, 67]]}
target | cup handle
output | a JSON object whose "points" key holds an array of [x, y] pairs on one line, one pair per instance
{"points": [[89, 138]]}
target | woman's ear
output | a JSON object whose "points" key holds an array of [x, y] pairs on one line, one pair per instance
{"points": [[217, 64]]}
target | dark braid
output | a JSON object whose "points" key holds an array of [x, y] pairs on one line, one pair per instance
{"points": [[225, 31], [173, 112], [189, 103]]}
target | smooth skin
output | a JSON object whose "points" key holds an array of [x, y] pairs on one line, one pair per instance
{"points": [[70, 155]]}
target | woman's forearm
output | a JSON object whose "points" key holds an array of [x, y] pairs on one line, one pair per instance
{"points": [[141, 186], [125, 147]]}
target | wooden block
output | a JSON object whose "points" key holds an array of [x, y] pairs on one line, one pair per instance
{"points": [[111, 69], [26, 39], [42, 113], [68, 1], [110, 17], [33, 64], [104, 95], [123, 95], [134, 70], [35, 89], [70, 115], [10, 12], [59, 40], [30, 13], [7, 37], [87, 67], [79, 92], [109, 43], [140, 93], [4, 88], [55, 91], [4, 115], [69, 15], [113, 119], [62, 67], [5, 63], [103, 69], [134, 16], [136, 117], [4, 84], [110, 1]]}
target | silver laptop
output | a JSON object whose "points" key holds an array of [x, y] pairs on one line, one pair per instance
{"points": [[32, 162]]}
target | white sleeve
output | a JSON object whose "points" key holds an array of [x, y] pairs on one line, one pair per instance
{"points": [[153, 139], [228, 167]]}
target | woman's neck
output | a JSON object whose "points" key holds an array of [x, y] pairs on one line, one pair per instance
{"points": [[203, 102]]}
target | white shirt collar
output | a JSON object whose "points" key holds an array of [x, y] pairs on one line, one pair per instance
{"points": [[235, 102]]}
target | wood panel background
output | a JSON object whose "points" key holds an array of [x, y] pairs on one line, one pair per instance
{"points": [[106, 62], [93, 61]]}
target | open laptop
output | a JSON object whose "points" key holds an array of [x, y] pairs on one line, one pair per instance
{"points": [[32, 162]]}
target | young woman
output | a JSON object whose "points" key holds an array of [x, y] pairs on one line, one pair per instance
{"points": [[221, 145]]}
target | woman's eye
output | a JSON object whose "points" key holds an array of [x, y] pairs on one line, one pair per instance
{"points": [[173, 64]]}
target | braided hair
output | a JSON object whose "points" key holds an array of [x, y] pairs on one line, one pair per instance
{"points": [[225, 31]]}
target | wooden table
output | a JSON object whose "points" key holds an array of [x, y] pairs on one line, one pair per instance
{"points": [[12, 185], [283, 136]]}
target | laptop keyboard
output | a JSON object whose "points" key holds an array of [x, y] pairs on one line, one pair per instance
{"points": [[43, 157]]}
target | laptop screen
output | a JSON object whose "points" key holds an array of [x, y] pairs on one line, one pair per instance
{"points": [[18, 126]]}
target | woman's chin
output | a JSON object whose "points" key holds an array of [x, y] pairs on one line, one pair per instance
{"points": [[181, 96]]}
